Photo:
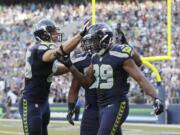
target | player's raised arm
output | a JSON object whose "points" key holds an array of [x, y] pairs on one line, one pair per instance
{"points": [[69, 45], [51, 36], [121, 39], [130, 67]]}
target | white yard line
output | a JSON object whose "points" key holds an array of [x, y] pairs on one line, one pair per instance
{"points": [[10, 132]]}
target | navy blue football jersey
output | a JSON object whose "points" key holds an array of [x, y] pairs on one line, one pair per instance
{"points": [[111, 78], [81, 63], [38, 74]]}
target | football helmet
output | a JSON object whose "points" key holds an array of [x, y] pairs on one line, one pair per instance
{"points": [[98, 39], [47, 31]]}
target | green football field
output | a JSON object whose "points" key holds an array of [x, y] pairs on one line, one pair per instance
{"points": [[13, 127]]}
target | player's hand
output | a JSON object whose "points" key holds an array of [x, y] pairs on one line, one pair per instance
{"points": [[70, 117], [71, 111], [64, 58], [87, 25], [158, 106]]}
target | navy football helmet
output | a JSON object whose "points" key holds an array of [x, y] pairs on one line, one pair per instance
{"points": [[47, 31], [98, 39]]}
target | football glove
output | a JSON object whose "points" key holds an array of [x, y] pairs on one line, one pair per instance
{"points": [[71, 111], [86, 27], [64, 58], [158, 106]]}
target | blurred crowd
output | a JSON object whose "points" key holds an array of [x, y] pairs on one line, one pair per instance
{"points": [[144, 25]]}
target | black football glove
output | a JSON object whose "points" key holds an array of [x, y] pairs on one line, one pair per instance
{"points": [[158, 106], [71, 111], [64, 58], [86, 27]]}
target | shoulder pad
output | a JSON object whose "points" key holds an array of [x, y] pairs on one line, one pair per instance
{"points": [[119, 54], [122, 51], [127, 49]]}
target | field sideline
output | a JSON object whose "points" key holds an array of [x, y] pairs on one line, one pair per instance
{"points": [[13, 127]]}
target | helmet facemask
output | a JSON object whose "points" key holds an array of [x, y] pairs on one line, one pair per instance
{"points": [[98, 39], [46, 31], [55, 34], [104, 42], [93, 44], [87, 44]]}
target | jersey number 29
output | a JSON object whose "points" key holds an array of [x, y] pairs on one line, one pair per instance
{"points": [[104, 76]]}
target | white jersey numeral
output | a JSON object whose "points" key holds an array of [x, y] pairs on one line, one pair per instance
{"points": [[28, 71], [104, 76]]}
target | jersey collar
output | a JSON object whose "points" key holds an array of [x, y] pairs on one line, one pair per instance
{"points": [[47, 44]]}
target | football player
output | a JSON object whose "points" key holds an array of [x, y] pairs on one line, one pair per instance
{"points": [[90, 119], [41, 65], [110, 67]]}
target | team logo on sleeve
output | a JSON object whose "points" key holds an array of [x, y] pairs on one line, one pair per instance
{"points": [[128, 50], [123, 51]]}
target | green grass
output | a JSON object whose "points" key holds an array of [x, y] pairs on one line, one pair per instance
{"points": [[9, 127], [140, 112]]}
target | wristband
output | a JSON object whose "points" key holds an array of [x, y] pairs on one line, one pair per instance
{"points": [[71, 106]]}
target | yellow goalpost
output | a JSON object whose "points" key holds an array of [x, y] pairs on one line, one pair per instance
{"points": [[146, 60]]}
